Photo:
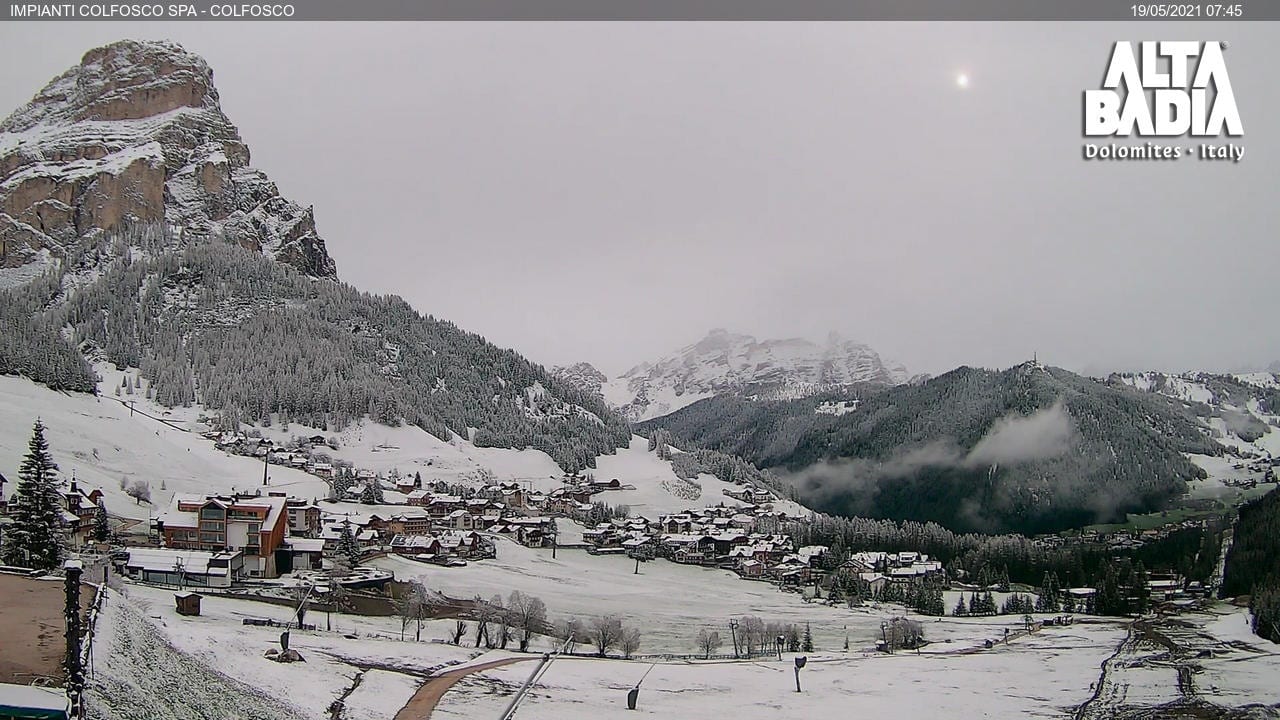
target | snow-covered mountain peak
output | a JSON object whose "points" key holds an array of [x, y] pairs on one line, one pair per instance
{"points": [[727, 362], [135, 134]]}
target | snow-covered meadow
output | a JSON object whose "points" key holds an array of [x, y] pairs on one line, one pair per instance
{"points": [[1042, 675], [140, 627], [670, 602]]}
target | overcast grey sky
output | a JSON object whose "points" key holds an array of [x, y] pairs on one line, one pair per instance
{"points": [[608, 192]]}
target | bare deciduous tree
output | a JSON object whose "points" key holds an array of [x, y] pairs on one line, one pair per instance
{"points": [[605, 633], [486, 612], [630, 642], [751, 634], [709, 642], [528, 615], [413, 606]]}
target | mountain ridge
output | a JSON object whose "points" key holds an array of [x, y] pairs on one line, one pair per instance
{"points": [[1030, 448], [731, 363]]}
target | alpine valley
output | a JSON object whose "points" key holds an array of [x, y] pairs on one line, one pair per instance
{"points": [[192, 399]]}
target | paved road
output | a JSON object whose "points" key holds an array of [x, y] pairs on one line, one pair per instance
{"points": [[424, 701]]}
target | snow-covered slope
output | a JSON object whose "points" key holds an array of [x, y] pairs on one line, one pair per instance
{"points": [[724, 362], [101, 443], [1241, 412], [106, 439]]}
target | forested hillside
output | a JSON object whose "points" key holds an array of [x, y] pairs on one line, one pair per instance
{"points": [[258, 341], [1253, 563], [1030, 449]]}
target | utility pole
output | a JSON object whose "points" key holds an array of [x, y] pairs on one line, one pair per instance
{"points": [[733, 631], [72, 662], [265, 464]]}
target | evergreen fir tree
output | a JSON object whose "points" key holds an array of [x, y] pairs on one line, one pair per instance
{"points": [[372, 493], [34, 539], [806, 644], [101, 530], [347, 546], [961, 610]]}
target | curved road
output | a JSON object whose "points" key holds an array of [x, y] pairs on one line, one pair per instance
{"points": [[424, 701]]}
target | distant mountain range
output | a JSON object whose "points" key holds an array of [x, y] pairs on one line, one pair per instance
{"points": [[735, 364], [1031, 448]]}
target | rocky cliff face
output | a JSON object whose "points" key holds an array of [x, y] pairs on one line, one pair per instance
{"points": [[135, 134], [583, 376]]}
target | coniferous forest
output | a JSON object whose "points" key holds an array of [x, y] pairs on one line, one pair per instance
{"points": [[1253, 563], [931, 452], [258, 341]]}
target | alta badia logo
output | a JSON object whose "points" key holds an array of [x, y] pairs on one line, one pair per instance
{"points": [[1164, 90]]}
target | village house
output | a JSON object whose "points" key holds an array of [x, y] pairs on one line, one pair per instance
{"points": [[441, 506], [694, 549], [534, 531], [196, 568], [421, 546], [304, 553], [458, 520], [304, 517], [79, 513], [331, 531], [875, 582], [251, 524], [640, 547], [408, 522]]}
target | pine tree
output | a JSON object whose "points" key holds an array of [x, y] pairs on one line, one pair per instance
{"points": [[347, 545], [961, 610], [101, 530], [34, 539], [372, 493], [806, 644]]}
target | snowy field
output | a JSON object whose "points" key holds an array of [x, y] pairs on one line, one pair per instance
{"points": [[145, 652], [670, 602], [1242, 668], [389, 670], [1043, 675]]}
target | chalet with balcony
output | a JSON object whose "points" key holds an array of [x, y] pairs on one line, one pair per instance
{"points": [[251, 524]]}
